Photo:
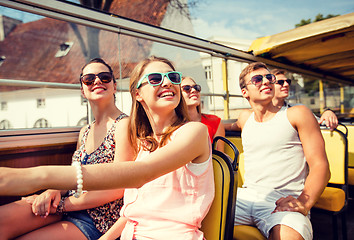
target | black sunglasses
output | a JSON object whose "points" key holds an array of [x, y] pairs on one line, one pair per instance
{"points": [[89, 79], [281, 82], [188, 88], [257, 80]]}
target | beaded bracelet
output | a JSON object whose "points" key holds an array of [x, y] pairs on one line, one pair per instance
{"points": [[80, 181]]}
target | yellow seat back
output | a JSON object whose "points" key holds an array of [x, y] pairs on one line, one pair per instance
{"points": [[350, 137], [237, 141], [242, 232], [336, 150], [219, 222], [334, 198]]}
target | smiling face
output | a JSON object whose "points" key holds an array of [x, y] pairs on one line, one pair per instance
{"points": [[97, 90], [162, 97], [281, 91], [254, 93], [192, 98]]}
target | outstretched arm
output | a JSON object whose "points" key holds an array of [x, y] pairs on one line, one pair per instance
{"points": [[190, 144], [240, 122], [48, 201]]}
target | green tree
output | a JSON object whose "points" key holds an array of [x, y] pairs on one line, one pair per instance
{"points": [[318, 18]]}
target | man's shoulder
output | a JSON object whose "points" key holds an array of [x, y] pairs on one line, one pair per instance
{"points": [[299, 113], [244, 115]]}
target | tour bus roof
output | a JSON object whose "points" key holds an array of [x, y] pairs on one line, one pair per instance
{"points": [[326, 46]]}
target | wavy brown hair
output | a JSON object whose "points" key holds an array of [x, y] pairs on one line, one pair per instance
{"points": [[141, 133]]}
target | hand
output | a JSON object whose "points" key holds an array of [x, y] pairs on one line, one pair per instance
{"points": [[329, 118], [46, 203], [30, 199], [290, 204]]}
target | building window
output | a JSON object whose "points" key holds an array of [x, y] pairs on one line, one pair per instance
{"points": [[3, 106], [82, 122], [2, 60], [5, 124], [41, 123], [208, 73], [64, 48], [40, 102]]}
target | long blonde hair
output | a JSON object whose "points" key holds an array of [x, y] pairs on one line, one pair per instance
{"points": [[139, 126]]}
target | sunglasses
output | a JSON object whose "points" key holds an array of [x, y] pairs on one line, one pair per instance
{"points": [[89, 79], [155, 79], [188, 88], [257, 80], [281, 82]]}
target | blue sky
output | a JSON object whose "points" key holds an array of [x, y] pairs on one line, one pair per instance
{"points": [[250, 19], [246, 19]]}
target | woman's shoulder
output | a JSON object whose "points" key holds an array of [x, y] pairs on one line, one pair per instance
{"points": [[210, 116], [190, 132], [192, 127], [122, 123]]}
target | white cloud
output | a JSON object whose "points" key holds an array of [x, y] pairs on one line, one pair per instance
{"points": [[206, 30], [253, 19]]}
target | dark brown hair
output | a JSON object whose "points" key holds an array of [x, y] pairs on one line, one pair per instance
{"points": [[98, 60]]}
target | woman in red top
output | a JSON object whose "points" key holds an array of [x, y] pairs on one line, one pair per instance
{"points": [[191, 95]]}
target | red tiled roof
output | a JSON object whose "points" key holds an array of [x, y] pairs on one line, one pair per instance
{"points": [[31, 47]]}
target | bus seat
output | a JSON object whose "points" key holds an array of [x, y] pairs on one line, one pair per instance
{"points": [[235, 138], [241, 232], [245, 232], [334, 198], [350, 137], [219, 222]]}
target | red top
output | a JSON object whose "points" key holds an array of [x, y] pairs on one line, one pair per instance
{"points": [[212, 122]]}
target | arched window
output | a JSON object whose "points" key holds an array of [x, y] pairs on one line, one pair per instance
{"points": [[82, 122], [41, 123], [5, 124]]}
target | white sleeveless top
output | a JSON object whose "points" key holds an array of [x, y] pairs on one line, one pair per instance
{"points": [[274, 158]]}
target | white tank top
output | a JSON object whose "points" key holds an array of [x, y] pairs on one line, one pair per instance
{"points": [[274, 158]]}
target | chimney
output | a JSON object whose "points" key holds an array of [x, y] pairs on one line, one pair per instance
{"points": [[7, 24]]}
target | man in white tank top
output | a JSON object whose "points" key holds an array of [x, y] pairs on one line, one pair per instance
{"points": [[286, 167]]}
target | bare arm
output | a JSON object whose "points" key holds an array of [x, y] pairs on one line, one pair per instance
{"points": [[48, 201], [116, 230], [242, 119], [240, 122], [313, 145], [190, 144], [329, 118], [220, 132], [232, 126]]}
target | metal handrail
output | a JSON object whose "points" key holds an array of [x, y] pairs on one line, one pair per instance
{"points": [[106, 21]]}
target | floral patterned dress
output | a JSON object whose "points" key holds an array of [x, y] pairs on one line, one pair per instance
{"points": [[106, 215]]}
